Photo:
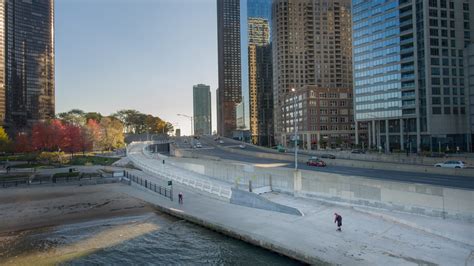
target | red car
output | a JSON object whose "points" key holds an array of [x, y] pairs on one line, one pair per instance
{"points": [[315, 162]]}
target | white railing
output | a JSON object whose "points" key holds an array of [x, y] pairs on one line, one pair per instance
{"points": [[137, 153]]}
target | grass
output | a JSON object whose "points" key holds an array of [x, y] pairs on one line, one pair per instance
{"points": [[67, 174], [31, 165], [92, 160]]}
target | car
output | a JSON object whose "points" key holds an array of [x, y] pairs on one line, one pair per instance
{"points": [[242, 146], [198, 145], [357, 151], [315, 162], [221, 142], [328, 156], [451, 164]]}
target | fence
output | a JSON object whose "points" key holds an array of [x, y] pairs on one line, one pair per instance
{"points": [[167, 192], [148, 163]]}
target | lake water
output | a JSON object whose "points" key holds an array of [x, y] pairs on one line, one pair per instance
{"points": [[160, 239]]}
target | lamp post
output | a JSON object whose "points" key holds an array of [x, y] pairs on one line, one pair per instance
{"points": [[295, 127], [191, 118]]}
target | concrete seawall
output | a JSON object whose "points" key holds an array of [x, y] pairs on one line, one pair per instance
{"points": [[414, 198]]}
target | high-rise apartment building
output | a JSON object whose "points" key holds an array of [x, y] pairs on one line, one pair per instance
{"points": [[409, 72], [312, 51], [229, 64], [260, 72], [26, 61], [202, 109], [469, 77]]}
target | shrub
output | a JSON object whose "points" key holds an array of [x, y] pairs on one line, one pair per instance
{"points": [[53, 158]]}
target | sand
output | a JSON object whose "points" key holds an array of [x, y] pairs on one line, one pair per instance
{"points": [[30, 208]]}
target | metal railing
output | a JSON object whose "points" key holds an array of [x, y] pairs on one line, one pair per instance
{"points": [[148, 163], [167, 192]]}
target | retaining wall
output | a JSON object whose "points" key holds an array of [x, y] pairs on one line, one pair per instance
{"points": [[414, 198], [360, 164]]}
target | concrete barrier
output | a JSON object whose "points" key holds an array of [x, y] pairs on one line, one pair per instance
{"points": [[252, 200], [359, 164], [391, 195]]}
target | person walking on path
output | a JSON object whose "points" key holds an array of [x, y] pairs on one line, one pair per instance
{"points": [[338, 220], [180, 198]]}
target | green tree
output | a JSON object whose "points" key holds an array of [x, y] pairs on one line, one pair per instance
{"points": [[93, 116], [5, 142], [75, 117]]}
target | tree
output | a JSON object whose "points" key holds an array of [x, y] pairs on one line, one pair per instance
{"points": [[48, 136], [111, 136], [72, 139], [23, 143], [75, 117], [93, 116], [5, 143], [93, 133]]}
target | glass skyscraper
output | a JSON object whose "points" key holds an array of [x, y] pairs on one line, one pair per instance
{"points": [[409, 74], [202, 109], [27, 61]]}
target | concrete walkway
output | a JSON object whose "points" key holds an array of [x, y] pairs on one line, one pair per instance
{"points": [[368, 237]]}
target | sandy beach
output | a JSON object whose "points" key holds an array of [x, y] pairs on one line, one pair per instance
{"points": [[29, 208]]}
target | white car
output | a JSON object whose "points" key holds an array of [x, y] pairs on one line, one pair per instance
{"points": [[221, 142], [451, 164], [198, 145], [242, 146]]}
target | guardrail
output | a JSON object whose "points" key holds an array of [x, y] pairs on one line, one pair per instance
{"points": [[167, 192], [149, 163]]}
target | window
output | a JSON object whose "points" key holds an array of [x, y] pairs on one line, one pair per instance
{"points": [[436, 100], [447, 100], [447, 110], [435, 91], [433, 3], [436, 110]]}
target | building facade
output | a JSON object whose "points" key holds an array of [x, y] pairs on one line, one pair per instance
{"points": [[229, 65], [312, 48], [26, 62], [260, 72], [469, 75], [409, 73], [325, 117], [202, 109]]}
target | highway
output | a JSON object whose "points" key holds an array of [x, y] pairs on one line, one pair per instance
{"points": [[210, 148]]}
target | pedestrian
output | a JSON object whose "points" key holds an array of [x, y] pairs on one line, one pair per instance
{"points": [[180, 198], [338, 220]]}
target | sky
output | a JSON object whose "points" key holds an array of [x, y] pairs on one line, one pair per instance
{"points": [[135, 54]]}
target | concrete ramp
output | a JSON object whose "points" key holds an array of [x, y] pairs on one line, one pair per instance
{"points": [[248, 199]]}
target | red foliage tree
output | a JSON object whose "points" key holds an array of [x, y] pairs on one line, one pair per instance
{"points": [[23, 144], [48, 136], [72, 137], [93, 133]]}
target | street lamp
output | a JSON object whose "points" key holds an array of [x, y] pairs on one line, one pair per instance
{"points": [[191, 118], [293, 90]]}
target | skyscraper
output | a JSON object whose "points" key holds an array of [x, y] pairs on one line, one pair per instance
{"points": [[229, 65], [26, 61], [409, 73], [260, 71], [202, 109], [312, 55]]}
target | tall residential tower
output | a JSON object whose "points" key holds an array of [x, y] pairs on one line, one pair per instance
{"points": [[26, 62], [312, 72], [409, 72], [229, 65], [202, 110]]}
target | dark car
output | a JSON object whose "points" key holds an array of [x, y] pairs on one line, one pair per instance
{"points": [[315, 162], [328, 156], [357, 151]]}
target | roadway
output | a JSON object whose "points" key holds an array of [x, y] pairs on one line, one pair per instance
{"points": [[211, 148]]}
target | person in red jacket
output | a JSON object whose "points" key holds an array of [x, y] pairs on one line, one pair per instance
{"points": [[338, 220]]}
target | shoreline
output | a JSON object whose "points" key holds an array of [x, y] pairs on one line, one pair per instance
{"points": [[24, 209]]}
